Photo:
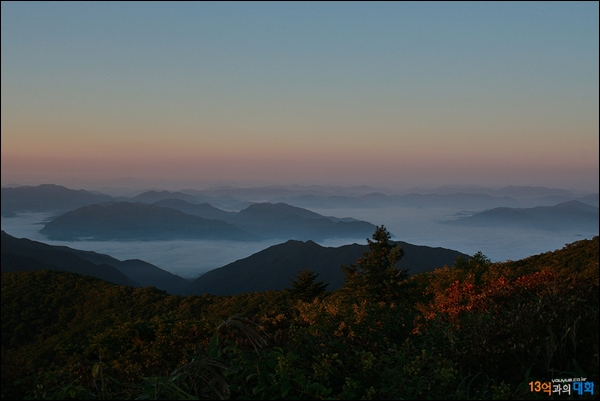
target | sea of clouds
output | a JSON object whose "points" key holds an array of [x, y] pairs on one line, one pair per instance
{"points": [[419, 226]]}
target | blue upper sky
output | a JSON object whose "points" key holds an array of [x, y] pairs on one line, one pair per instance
{"points": [[391, 94]]}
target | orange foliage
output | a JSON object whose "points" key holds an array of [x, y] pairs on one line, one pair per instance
{"points": [[461, 297]]}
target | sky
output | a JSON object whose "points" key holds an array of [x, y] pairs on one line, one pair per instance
{"points": [[383, 94]]}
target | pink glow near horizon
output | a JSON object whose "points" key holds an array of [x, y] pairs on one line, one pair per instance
{"points": [[355, 170], [416, 98]]}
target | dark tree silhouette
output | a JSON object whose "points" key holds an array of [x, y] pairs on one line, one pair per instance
{"points": [[305, 285], [375, 276]]}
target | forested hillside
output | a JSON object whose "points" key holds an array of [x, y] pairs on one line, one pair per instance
{"points": [[274, 267], [474, 330]]}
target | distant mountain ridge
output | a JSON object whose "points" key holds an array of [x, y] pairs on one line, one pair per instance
{"points": [[55, 198], [138, 221], [157, 196], [462, 200], [513, 191], [143, 221], [47, 197], [284, 221], [592, 199], [204, 210], [571, 215], [274, 267]]}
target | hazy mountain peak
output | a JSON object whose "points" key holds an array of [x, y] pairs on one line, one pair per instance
{"points": [[138, 220], [280, 209]]}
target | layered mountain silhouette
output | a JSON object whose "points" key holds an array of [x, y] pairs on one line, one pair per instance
{"points": [[274, 267], [531, 192], [269, 269], [284, 221], [138, 221], [464, 200], [142, 221], [450, 196], [43, 198], [26, 255], [156, 196], [20, 254], [592, 199], [571, 215], [204, 210], [47, 198], [376, 199]]}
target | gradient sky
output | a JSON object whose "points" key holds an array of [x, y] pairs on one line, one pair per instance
{"points": [[382, 94]]}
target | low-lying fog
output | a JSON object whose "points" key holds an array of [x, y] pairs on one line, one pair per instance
{"points": [[419, 226]]}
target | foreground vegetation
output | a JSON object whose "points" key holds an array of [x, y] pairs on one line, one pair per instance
{"points": [[476, 330]]}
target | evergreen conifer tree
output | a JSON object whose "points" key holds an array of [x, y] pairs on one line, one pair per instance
{"points": [[305, 286], [374, 276]]}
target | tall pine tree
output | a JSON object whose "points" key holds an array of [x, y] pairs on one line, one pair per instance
{"points": [[374, 276]]}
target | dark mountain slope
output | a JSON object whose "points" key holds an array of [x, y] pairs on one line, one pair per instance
{"points": [[143, 273], [137, 221], [146, 274], [204, 210], [45, 198], [26, 255], [284, 221], [571, 215], [274, 267], [571, 260]]}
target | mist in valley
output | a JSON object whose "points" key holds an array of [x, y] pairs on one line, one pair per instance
{"points": [[418, 226]]}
